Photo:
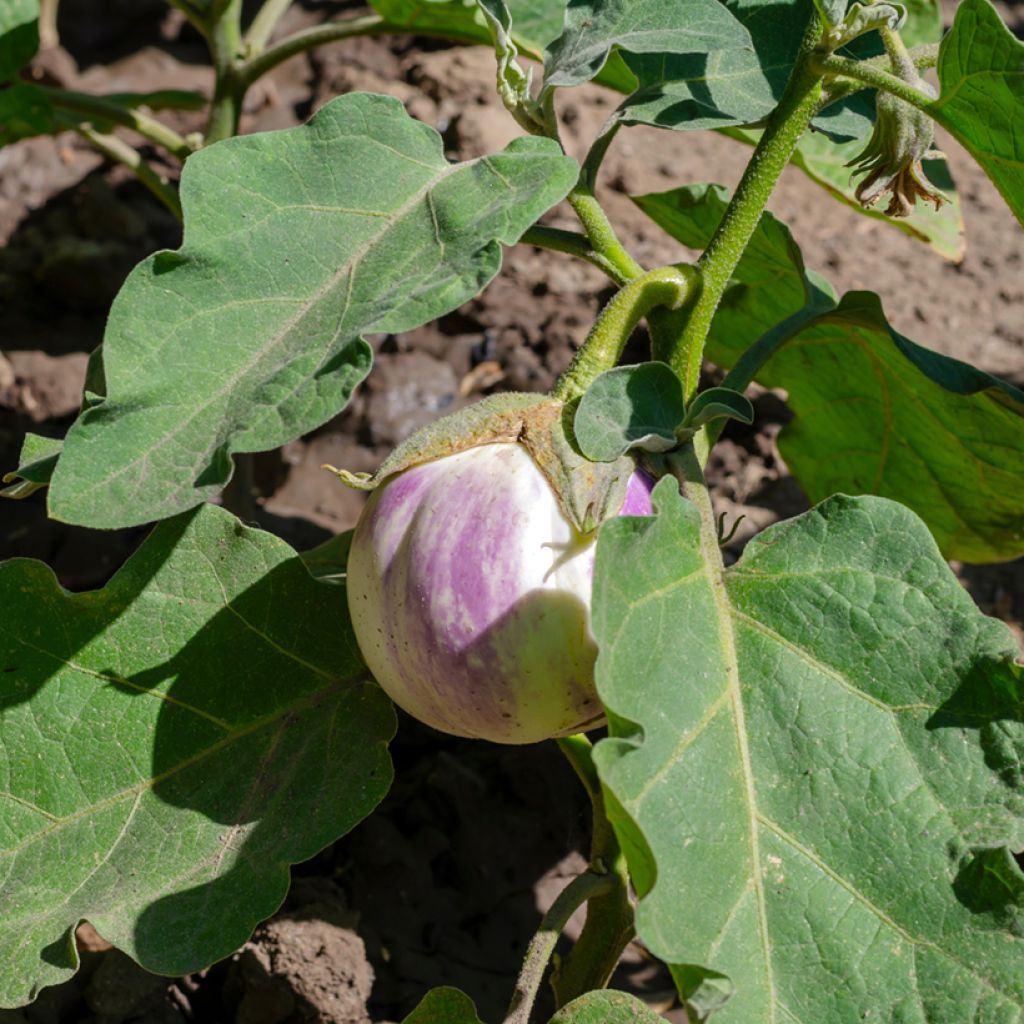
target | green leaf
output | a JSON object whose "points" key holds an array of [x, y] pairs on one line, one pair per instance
{"points": [[35, 466], [823, 756], [251, 333], [594, 27], [717, 404], [981, 95], [444, 1006], [877, 414], [606, 1007], [170, 744], [19, 35], [534, 22], [327, 562], [630, 407]]}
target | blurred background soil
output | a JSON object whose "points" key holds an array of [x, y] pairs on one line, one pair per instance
{"points": [[440, 886]]}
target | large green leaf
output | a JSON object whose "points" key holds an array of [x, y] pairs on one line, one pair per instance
{"points": [[296, 244], [875, 412], [818, 783], [981, 95], [19, 35], [593, 28], [170, 744], [444, 1006]]}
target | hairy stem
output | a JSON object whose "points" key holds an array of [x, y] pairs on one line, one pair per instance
{"points": [[104, 110], [609, 924], [263, 25], [785, 127], [225, 39], [573, 896], [114, 149], [602, 235], [872, 76], [574, 244], [666, 286]]}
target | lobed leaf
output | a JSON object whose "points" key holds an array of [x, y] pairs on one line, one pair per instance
{"points": [[19, 35], [822, 768], [875, 412], [981, 95], [170, 744], [251, 334]]}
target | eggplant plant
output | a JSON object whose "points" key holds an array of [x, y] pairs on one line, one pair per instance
{"points": [[808, 790]]}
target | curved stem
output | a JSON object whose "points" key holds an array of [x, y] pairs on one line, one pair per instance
{"points": [[120, 152], [873, 77], [263, 25], [571, 898], [666, 286], [574, 244], [103, 110], [785, 127], [347, 28], [601, 233]]}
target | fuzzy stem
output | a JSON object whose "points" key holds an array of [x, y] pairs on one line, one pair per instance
{"points": [[666, 286], [785, 127], [573, 896], [872, 76], [573, 244], [104, 110], [601, 233], [120, 152], [225, 39]]}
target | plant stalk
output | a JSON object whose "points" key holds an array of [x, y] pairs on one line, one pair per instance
{"points": [[872, 76], [103, 110], [785, 127], [574, 895], [609, 925], [114, 149], [666, 286], [574, 244], [263, 25], [225, 40]]}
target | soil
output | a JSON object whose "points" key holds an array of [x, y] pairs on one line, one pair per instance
{"points": [[440, 885]]}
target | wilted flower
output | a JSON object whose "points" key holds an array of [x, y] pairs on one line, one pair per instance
{"points": [[891, 160]]}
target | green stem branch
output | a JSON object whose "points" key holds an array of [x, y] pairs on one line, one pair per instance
{"points": [[582, 888], [120, 152], [225, 39], [263, 25], [785, 127], [873, 77], [103, 110], [574, 244], [666, 286]]}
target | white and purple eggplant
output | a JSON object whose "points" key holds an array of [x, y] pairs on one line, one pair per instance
{"points": [[469, 588]]}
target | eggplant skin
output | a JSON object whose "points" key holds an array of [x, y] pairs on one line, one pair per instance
{"points": [[469, 592]]}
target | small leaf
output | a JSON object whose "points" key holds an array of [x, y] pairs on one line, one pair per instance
{"points": [[702, 991], [327, 562], [606, 1007], [170, 744], [981, 97], [35, 466], [630, 407], [444, 1006], [251, 334], [719, 403], [828, 735], [19, 35]]}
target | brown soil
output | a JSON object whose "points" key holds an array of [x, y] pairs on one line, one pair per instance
{"points": [[441, 885]]}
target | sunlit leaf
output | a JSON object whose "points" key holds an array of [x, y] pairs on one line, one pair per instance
{"points": [[170, 744], [19, 35]]}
